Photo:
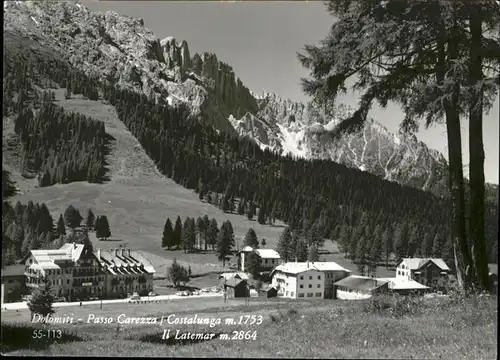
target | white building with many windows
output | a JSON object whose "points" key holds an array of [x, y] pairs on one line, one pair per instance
{"points": [[76, 272], [298, 280]]}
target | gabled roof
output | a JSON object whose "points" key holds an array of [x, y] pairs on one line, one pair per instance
{"points": [[357, 282], [235, 282], [126, 263], [329, 266], [46, 259], [268, 253], [399, 283], [237, 275], [417, 263], [294, 268], [247, 249], [299, 267], [267, 288]]}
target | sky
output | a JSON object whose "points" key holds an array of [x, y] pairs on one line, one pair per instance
{"points": [[260, 41]]}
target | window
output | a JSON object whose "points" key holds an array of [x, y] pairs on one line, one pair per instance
{"points": [[310, 277], [309, 294], [399, 272], [310, 286], [318, 294], [292, 294], [301, 294], [319, 277], [67, 282], [301, 286], [265, 261], [301, 277], [286, 293], [319, 285]]}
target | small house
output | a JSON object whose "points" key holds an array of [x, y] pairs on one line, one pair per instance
{"points": [[268, 292], [236, 288], [13, 283], [236, 275], [269, 258], [357, 287], [432, 272], [403, 286]]}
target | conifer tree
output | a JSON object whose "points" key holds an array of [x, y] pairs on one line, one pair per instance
{"points": [[387, 247], [200, 226], [90, 220], [400, 241], [177, 231], [223, 244], [313, 254], [261, 218], [206, 224], [251, 239], [437, 246], [212, 233], [284, 245], [253, 262], [61, 228], [301, 251], [188, 235], [343, 239], [375, 253], [167, 238], [241, 207], [230, 231], [361, 255], [250, 210], [42, 300], [72, 217], [177, 274], [102, 229]]}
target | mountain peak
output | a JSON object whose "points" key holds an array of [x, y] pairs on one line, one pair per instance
{"points": [[120, 49]]}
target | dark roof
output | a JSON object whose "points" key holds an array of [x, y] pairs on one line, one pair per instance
{"points": [[266, 289], [360, 283], [13, 270], [235, 282]]}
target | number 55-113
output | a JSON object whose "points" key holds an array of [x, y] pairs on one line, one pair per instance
{"points": [[46, 334]]}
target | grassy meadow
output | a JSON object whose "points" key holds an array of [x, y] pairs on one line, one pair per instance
{"points": [[138, 199], [383, 327]]}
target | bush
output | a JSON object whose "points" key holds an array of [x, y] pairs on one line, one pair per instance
{"points": [[394, 305]]}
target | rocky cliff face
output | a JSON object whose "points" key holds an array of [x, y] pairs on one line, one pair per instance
{"points": [[302, 130], [122, 50]]}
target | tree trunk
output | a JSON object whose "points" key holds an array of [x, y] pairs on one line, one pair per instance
{"points": [[476, 153], [456, 180]]}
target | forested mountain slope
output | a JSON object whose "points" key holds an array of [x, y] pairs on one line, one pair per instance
{"points": [[158, 97]]}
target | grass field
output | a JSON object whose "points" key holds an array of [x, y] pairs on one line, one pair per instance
{"points": [[138, 199], [433, 329]]}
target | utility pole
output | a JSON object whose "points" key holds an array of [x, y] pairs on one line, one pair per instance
{"points": [[225, 290]]}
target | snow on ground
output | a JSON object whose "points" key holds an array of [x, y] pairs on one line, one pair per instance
{"points": [[291, 140]]}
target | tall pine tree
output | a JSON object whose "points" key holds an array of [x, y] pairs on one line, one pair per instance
{"points": [[167, 238]]}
